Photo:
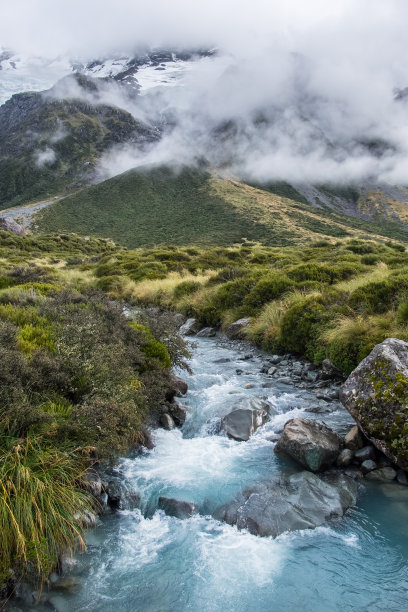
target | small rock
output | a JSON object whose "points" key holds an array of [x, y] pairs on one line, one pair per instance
{"points": [[239, 372], [179, 319], [329, 370], [207, 332], [190, 327], [322, 396], [345, 458], [271, 371], [385, 474], [354, 473], [284, 380], [268, 385], [249, 386], [178, 388], [354, 439], [68, 583], [275, 359], [368, 466], [166, 421], [362, 454], [242, 422], [222, 360]]}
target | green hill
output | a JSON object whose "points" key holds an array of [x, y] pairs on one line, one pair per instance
{"points": [[156, 206]]}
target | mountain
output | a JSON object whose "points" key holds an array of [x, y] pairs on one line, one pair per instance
{"points": [[158, 205], [51, 143]]}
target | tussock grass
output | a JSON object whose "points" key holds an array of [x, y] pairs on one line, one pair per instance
{"points": [[42, 507], [378, 274]]}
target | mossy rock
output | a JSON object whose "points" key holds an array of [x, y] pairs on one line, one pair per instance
{"points": [[376, 395]]}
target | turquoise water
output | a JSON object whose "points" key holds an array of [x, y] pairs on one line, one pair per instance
{"points": [[145, 561]]}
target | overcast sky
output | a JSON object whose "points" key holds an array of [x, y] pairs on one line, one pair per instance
{"points": [[338, 62]]}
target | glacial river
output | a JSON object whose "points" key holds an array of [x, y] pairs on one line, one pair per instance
{"points": [[140, 560]]}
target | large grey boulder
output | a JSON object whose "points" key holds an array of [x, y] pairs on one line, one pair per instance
{"points": [[235, 330], [376, 395], [190, 327], [9, 225], [312, 444], [178, 388], [175, 507], [302, 501], [248, 416], [207, 332]]}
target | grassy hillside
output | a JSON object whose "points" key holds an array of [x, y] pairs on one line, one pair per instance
{"points": [[158, 206]]}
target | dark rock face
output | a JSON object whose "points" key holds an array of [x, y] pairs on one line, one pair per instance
{"points": [[242, 422], [190, 327], [376, 395], [235, 330], [177, 508], [312, 444], [302, 501], [329, 370], [365, 453]]}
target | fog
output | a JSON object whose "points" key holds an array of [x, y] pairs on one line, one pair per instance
{"points": [[297, 92]]}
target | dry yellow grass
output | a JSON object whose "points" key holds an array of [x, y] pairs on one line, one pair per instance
{"points": [[378, 274], [152, 291]]}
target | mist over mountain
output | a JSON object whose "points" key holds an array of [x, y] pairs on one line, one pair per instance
{"points": [[303, 95]]}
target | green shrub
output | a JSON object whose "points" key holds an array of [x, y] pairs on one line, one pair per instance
{"points": [[268, 288], [299, 325], [186, 288]]}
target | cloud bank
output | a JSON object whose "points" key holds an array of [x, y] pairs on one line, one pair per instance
{"points": [[298, 92]]}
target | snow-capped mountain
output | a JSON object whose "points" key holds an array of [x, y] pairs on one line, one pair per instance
{"points": [[144, 70]]}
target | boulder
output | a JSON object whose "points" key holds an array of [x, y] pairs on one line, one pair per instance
{"points": [[122, 495], [244, 420], [376, 395], [166, 421], [301, 501], [177, 508], [92, 483], [354, 439], [402, 477], [385, 474], [311, 443], [235, 330], [9, 225], [190, 327], [207, 332]]}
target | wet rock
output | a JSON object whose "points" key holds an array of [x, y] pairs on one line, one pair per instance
{"points": [[178, 388], [368, 466], [269, 385], [177, 508], [242, 422], [92, 483], [284, 380], [122, 495], [239, 372], [66, 583], [322, 396], [207, 332], [167, 422], [310, 376], [275, 359], [312, 444], [190, 327], [249, 386], [354, 439], [385, 474], [88, 519], [271, 371], [222, 360], [345, 458], [235, 330], [362, 454], [329, 370], [379, 385], [354, 473], [402, 477], [246, 357], [146, 439], [178, 412], [302, 501]]}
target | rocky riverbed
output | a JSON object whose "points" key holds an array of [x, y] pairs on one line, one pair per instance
{"points": [[183, 518]]}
